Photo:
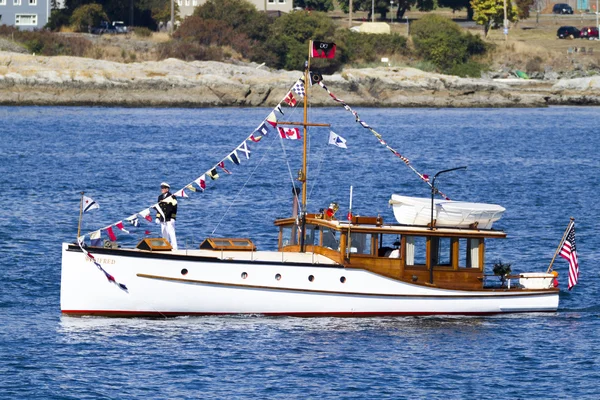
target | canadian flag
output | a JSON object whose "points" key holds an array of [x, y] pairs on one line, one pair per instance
{"points": [[290, 133]]}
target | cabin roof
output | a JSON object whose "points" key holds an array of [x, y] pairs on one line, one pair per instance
{"points": [[398, 228]]}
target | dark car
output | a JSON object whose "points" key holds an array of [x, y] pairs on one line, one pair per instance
{"points": [[567, 32], [589, 32], [104, 27], [562, 8]]}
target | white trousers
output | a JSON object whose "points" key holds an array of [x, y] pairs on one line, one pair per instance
{"points": [[168, 232]]}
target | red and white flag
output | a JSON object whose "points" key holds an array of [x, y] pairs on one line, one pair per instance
{"points": [[222, 165], [201, 182], [272, 119], [121, 227], [146, 214], [181, 193], [568, 251], [290, 133], [111, 234], [290, 100]]}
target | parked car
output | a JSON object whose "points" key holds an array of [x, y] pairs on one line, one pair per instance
{"points": [[589, 32], [567, 32], [104, 28], [120, 27], [562, 8]]}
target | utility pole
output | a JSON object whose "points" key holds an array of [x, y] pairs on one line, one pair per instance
{"points": [[350, 15], [505, 23], [372, 10], [172, 17]]}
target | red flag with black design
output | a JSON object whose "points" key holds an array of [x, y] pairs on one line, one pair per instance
{"points": [[323, 50]]}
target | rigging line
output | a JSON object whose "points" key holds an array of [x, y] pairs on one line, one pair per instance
{"points": [[243, 187], [321, 156]]}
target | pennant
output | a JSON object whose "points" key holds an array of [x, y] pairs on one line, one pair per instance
{"points": [[299, 88], [158, 211], [290, 100], [213, 174], [146, 214], [255, 139], [121, 227], [89, 204], [191, 188], [234, 158], [111, 234], [96, 239], [244, 149], [272, 119], [315, 78], [147, 232], [290, 133], [337, 140], [201, 182], [222, 166], [278, 108], [181, 193], [322, 50], [133, 220]]}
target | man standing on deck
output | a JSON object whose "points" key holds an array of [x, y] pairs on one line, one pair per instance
{"points": [[168, 206]]}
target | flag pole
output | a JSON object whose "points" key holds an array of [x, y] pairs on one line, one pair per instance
{"points": [[572, 221], [304, 171], [80, 215]]}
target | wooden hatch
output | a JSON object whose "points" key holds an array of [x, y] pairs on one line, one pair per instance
{"points": [[237, 244], [154, 244]]}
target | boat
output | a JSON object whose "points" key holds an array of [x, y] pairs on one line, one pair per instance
{"points": [[323, 266]]}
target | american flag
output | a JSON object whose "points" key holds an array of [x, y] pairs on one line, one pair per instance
{"points": [[568, 251]]}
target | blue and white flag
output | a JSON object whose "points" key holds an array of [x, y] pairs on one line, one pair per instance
{"points": [[89, 204], [337, 140]]}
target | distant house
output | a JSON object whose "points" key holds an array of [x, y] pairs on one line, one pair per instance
{"points": [[25, 14], [186, 7]]}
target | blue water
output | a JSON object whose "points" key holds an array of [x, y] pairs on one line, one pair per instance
{"points": [[541, 164]]}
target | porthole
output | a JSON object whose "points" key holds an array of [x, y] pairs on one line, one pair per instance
{"points": [[311, 278], [244, 275], [278, 277], [343, 279], [184, 271]]}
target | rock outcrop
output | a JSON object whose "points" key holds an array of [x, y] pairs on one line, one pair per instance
{"points": [[37, 80]]}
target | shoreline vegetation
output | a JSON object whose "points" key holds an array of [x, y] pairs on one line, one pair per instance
{"points": [[220, 57], [76, 81]]}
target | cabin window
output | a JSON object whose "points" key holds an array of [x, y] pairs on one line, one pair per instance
{"points": [[330, 239], [389, 246], [416, 250], [360, 243], [469, 253], [312, 235], [441, 251], [288, 235]]}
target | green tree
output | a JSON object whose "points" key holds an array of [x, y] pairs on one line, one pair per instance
{"points": [[289, 36], [523, 7], [442, 42], [490, 13], [317, 5], [87, 15]]}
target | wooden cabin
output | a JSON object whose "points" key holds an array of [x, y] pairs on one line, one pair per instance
{"points": [[448, 258]]}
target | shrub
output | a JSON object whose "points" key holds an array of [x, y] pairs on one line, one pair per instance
{"points": [[241, 15], [369, 47], [87, 15], [58, 19], [142, 31], [468, 69], [189, 51], [52, 44], [441, 41]]}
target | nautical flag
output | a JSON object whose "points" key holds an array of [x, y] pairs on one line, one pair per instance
{"points": [[263, 129], [146, 214], [121, 227], [255, 139], [568, 251], [133, 220], [337, 140], [299, 88], [233, 157], [201, 182], [191, 187], [111, 234], [278, 108], [222, 165], [290, 133], [244, 149], [322, 50], [96, 239], [181, 193], [272, 119], [89, 204], [290, 100], [315, 78], [213, 174]]}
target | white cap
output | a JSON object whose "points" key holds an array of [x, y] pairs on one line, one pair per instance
{"points": [[165, 184]]}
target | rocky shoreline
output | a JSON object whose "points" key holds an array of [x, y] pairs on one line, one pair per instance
{"points": [[38, 80]]}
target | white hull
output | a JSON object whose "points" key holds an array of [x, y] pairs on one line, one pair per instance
{"points": [[157, 287]]}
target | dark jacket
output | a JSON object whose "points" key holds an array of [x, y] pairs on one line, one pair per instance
{"points": [[168, 205]]}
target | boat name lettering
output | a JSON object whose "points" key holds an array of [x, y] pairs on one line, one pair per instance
{"points": [[102, 260]]}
